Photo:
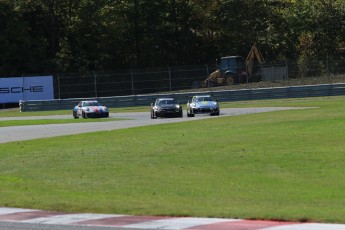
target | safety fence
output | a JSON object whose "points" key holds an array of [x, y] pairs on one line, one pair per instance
{"points": [[168, 79], [221, 96]]}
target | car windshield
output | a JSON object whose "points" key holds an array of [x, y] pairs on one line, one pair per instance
{"points": [[200, 99], [167, 102], [92, 103]]}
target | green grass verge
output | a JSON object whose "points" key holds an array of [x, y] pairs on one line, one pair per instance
{"points": [[286, 165], [16, 113], [52, 121]]}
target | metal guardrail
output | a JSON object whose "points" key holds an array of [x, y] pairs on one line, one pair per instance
{"points": [[221, 96]]}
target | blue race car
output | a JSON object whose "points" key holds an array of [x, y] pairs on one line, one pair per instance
{"points": [[90, 109], [203, 104]]}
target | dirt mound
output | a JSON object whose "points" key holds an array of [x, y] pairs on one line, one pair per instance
{"points": [[330, 79]]}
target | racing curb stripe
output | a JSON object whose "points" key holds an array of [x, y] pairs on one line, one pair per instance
{"points": [[24, 216], [17, 215], [178, 223], [69, 218], [122, 221], [243, 224], [4, 211]]}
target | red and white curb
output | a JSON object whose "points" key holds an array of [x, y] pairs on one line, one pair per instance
{"points": [[18, 215]]}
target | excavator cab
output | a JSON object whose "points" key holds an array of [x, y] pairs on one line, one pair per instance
{"points": [[233, 69], [232, 64]]}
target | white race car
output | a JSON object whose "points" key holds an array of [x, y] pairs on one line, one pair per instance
{"points": [[90, 109]]}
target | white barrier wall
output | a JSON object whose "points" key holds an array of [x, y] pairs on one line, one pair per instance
{"points": [[14, 89]]}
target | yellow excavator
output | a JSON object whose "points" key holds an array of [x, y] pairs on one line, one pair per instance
{"points": [[233, 69], [254, 53]]}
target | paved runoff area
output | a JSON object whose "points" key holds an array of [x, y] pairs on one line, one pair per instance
{"points": [[17, 218]]}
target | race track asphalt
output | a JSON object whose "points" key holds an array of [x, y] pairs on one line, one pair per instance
{"points": [[20, 133]]}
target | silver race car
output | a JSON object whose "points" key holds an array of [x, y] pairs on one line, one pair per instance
{"points": [[203, 104]]}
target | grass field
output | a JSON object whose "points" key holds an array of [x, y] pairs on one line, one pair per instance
{"points": [[16, 113], [286, 165], [52, 121]]}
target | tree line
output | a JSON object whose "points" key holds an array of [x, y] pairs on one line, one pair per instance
{"points": [[49, 36]]}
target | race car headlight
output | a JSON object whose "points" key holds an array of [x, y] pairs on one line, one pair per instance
{"points": [[177, 108], [87, 109]]}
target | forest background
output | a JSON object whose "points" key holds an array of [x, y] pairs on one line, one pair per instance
{"points": [[49, 36]]}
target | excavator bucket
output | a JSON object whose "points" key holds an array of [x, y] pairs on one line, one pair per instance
{"points": [[214, 76], [253, 53]]}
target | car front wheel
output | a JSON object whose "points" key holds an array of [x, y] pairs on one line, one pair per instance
{"points": [[153, 115], [75, 115], [189, 113]]}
